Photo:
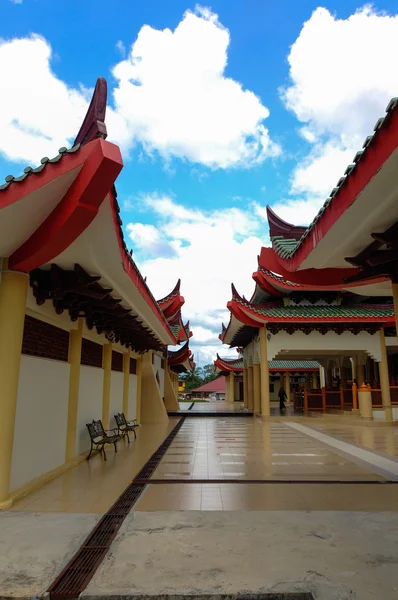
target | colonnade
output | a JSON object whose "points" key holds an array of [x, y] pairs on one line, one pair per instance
{"points": [[13, 298]]}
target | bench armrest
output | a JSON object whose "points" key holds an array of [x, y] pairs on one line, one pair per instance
{"points": [[114, 431]]}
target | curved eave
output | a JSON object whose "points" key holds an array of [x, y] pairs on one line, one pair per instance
{"points": [[229, 332], [172, 303], [250, 316], [372, 175], [75, 221], [279, 227], [179, 356], [224, 366], [321, 279]]}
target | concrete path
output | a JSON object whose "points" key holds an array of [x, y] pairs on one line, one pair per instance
{"points": [[35, 547], [335, 556]]}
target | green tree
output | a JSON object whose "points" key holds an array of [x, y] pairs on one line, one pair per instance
{"points": [[208, 373], [193, 379]]}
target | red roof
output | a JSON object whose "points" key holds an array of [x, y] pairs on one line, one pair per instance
{"points": [[217, 386]]}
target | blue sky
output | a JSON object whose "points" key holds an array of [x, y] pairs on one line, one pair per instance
{"points": [[219, 109]]}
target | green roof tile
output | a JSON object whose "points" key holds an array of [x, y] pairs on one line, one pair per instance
{"points": [[286, 248], [324, 311]]}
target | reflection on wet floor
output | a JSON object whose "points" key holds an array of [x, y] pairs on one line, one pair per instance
{"points": [[240, 448], [380, 439], [247, 449], [225, 448]]}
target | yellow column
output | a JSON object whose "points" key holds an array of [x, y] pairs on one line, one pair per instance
{"points": [[75, 352], [231, 378], [384, 378], [106, 389], [287, 387], [360, 374], [257, 388], [245, 388], [126, 382], [13, 290], [139, 381], [307, 381], [250, 390], [265, 397]]}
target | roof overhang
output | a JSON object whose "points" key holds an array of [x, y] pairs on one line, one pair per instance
{"points": [[344, 225]]}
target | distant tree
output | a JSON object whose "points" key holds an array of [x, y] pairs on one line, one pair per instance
{"points": [[193, 379], [208, 373]]}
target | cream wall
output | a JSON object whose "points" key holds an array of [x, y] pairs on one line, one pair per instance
{"points": [[317, 344], [132, 398], [157, 367], [116, 400], [41, 419], [90, 404]]}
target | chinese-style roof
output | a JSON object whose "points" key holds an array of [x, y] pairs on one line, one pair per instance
{"points": [[225, 365], [172, 303], [181, 332], [325, 313], [31, 171], [293, 365], [217, 386], [65, 213], [182, 359], [370, 175]]}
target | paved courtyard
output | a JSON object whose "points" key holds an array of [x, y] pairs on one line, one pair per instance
{"points": [[236, 504]]}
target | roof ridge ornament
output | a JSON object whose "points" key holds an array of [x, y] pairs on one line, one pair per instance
{"points": [[93, 125], [279, 227]]}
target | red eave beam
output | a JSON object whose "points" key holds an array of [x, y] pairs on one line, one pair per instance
{"points": [[75, 212], [378, 151]]}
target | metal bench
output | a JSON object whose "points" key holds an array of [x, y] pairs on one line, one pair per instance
{"points": [[100, 436], [125, 426]]}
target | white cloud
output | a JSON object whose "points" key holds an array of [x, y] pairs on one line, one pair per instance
{"points": [[39, 113], [121, 48], [16, 1], [211, 250], [175, 98], [172, 97], [343, 74]]}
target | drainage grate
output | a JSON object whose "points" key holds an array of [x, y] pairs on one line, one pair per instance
{"points": [[76, 575], [80, 570]]}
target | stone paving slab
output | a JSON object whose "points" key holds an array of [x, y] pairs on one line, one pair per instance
{"points": [[332, 555], [34, 547]]}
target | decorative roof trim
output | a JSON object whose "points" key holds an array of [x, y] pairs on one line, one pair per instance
{"points": [[376, 150], [279, 227]]}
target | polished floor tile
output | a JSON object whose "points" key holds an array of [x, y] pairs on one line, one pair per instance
{"points": [[240, 449]]}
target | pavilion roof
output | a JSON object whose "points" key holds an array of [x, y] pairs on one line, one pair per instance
{"points": [[276, 311], [71, 232], [182, 359], [294, 244], [172, 303], [225, 365]]}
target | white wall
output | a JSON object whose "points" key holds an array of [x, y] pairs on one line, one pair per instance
{"points": [[157, 367], [116, 401], [41, 419], [90, 404], [132, 398]]}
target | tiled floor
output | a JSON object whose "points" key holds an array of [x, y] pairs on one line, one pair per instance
{"points": [[93, 486], [380, 439], [278, 496], [242, 448], [229, 448]]}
